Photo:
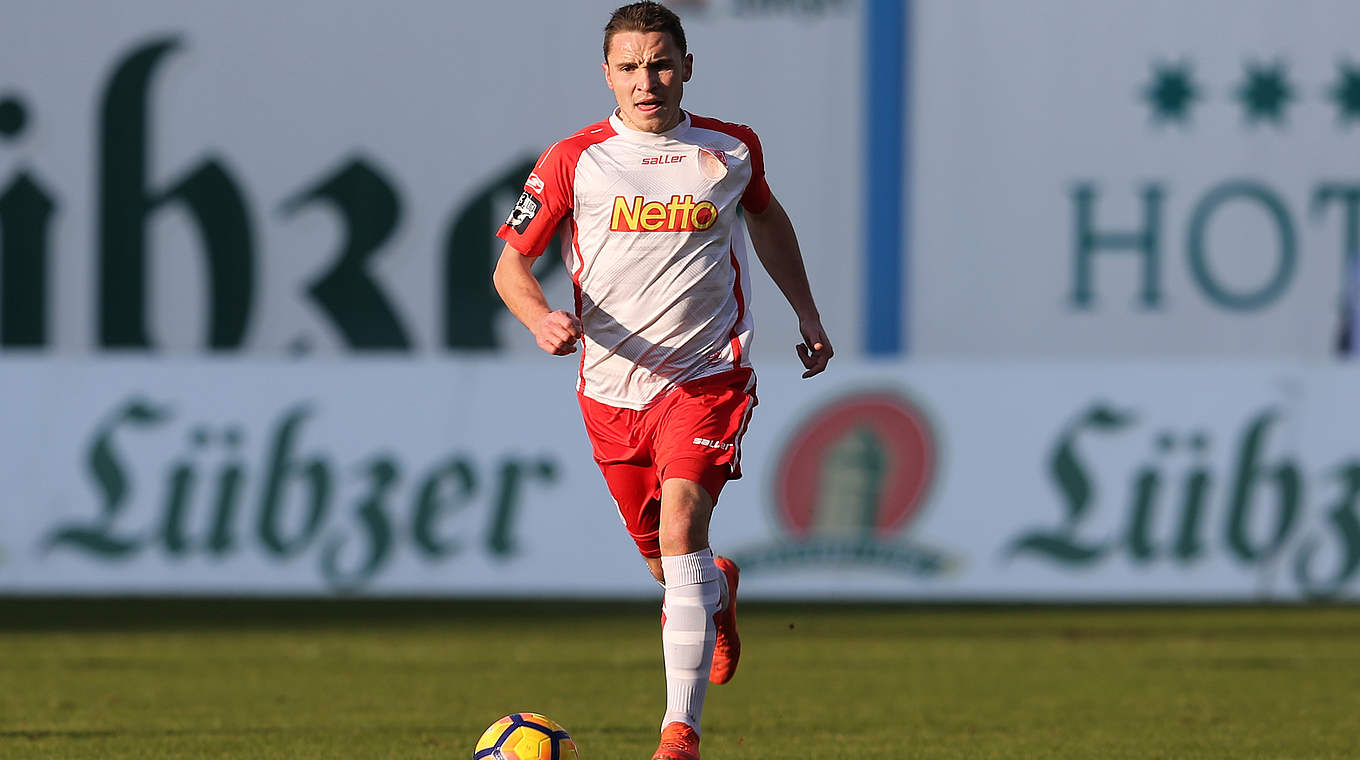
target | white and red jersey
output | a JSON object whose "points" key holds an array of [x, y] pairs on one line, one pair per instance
{"points": [[657, 252]]}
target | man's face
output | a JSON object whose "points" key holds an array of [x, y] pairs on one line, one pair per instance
{"points": [[647, 74]]}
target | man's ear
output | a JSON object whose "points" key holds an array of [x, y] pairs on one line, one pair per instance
{"points": [[608, 80], [689, 67]]}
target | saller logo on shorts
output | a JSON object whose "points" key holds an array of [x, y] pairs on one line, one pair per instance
{"points": [[679, 215]]}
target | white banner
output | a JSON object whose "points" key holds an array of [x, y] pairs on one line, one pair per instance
{"points": [[1132, 179], [896, 481], [323, 176]]}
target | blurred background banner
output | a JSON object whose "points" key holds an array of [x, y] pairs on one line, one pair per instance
{"points": [[1070, 482], [1126, 179], [323, 177], [1083, 262]]}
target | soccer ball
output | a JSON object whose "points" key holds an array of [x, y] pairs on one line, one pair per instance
{"points": [[525, 736]]}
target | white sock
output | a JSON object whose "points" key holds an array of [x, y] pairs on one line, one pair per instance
{"points": [[692, 596]]}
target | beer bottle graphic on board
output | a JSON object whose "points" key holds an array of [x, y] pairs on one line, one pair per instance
{"points": [[853, 471]]}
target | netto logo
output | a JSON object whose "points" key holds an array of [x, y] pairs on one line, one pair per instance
{"points": [[680, 215], [853, 476]]}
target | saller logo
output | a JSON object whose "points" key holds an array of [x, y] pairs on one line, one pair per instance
{"points": [[679, 215]]}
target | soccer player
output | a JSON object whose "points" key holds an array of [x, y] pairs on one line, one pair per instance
{"points": [[652, 201]]}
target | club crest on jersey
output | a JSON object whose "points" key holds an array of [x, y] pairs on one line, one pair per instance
{"points": [[525, 209], [681, 214], [713, 163]]}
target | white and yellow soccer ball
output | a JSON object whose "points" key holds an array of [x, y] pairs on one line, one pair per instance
{"points": [[525, 736]]}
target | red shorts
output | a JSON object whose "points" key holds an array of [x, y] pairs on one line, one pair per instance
{"points": [[694, 432]]}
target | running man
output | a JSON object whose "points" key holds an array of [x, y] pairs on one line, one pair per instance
{"points": [[650, 200]]}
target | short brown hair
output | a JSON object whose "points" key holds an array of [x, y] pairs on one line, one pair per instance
{"points": [[644, 17]]}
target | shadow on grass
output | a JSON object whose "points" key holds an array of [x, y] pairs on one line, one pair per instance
{"points": [[179, 613], [1074, 623], [38, 735], [77, 734]]}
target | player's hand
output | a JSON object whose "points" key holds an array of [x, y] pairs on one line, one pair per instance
{"points": [[815, 350], [558, 332]]}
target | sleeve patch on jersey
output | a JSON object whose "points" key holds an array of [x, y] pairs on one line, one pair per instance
{"points": [[535, 183], [525, 209]]}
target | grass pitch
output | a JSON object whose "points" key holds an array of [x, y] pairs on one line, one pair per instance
{"points": [[153, 679]]}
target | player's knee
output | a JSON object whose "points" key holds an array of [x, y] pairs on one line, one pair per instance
{"points": [[654, 567], [685, 511], [681, 496]]}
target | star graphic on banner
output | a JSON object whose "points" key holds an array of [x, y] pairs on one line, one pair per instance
{"points": [[1346, 93], [1171, 92], [1265, 93]]}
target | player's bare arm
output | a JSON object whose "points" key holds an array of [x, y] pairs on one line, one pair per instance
{"points": [[555, 331], [776, 245]]}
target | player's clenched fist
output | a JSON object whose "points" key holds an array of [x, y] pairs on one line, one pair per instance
{"points": [[558, 332]]}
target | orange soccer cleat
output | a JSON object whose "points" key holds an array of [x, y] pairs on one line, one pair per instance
{"points": [[678, 742], [727, 649]]}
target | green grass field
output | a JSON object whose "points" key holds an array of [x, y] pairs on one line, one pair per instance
{"points": [[305, 679]]}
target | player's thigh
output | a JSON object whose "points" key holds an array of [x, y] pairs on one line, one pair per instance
{"points": [[624, 455], [700, 440], [636, 493]]}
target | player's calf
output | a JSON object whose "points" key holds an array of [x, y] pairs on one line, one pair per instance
{"points": [[693, 592]]}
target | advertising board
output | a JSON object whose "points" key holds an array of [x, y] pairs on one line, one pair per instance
{"points": [[325, 177], [1126, 179], [886, 480]]}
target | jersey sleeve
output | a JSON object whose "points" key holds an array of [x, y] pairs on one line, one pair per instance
{"points": [[757, 196], [546, 199]]}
